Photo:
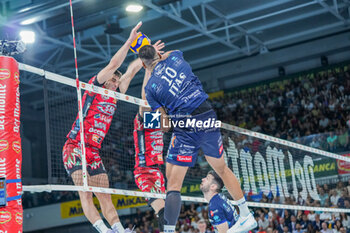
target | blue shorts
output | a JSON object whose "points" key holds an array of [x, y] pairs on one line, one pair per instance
{"points": [[186, 141]]}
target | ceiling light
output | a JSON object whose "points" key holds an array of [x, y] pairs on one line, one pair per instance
{"points": [[28, 21], [134, 8], [27, 37]]}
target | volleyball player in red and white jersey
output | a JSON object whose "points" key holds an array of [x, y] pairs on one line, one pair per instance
{"points": [[148, 159], [98, 111]]}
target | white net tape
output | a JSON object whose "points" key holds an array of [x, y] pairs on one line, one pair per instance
{"points": [[133, 100]]}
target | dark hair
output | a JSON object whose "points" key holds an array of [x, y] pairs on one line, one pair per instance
{"points": [[147, 53], [217, 180], [118, 73]]}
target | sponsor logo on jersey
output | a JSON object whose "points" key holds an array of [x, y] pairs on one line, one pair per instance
{"points": [[105, 97], [96, 138], [106, 108], [19, 218], [4, 74], [4, 145], [185, 159], [158, 70], [100, 125], [160, 157], [16, 146], [5, 216], [97, 131]]}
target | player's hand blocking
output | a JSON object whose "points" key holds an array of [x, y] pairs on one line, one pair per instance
{"points": [[159, 45], [134, 34]]}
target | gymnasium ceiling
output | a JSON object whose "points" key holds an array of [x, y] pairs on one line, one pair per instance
{"points": [[209, 32]]}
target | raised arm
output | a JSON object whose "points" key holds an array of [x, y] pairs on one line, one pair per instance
{"points": [[118, 58], [143, 95], [130, 73], [145, 81]]}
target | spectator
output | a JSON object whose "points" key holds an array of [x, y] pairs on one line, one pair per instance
{"points": [[343, 197], [293, 223], [332, 142], [334, 197], [324, 122], [323, 196], [263, 223], [286, 229], [325, 216], [311, 216], [310, 229], [345, 220], [298, 229], [337, 225], [343, 139], [325, 228], [317, 224], [336, 229], [304, 222], [315, 143], [202, 226], [281, 225]]}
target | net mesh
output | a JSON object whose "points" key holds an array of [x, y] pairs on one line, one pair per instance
{"points": [[269, 170]]}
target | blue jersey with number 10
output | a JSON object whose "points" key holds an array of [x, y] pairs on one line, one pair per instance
{"points": [[174, 86]]}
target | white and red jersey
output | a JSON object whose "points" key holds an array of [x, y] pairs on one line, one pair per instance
{"points": [[98, 111], [148, 144]]}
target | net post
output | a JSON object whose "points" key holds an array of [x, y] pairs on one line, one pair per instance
{"points": [[47, 130]]}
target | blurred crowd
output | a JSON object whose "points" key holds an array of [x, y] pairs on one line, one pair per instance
{"points": [[295, 109]]}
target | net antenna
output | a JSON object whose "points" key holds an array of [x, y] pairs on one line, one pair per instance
{"points": [[80, 105]]}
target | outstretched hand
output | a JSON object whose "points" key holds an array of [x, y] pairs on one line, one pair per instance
{"points": [[159, 45], [134, 34]]}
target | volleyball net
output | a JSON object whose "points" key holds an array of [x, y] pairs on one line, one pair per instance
{"points": [[273, 173]]}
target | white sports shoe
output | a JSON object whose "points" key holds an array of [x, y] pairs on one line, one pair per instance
{"points": [[243, 224]]}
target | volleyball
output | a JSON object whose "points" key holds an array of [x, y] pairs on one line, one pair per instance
{"points": [[140, 41]]}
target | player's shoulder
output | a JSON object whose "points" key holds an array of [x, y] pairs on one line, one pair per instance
{"points": [[172, 53], [216, 201], [177, 53]]}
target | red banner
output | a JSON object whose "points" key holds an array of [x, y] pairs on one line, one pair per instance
{"points": [[343, 166], [11, 216]]}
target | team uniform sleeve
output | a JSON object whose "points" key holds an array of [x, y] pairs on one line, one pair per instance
{"points": [[152, 101], [177, 53], [218, 216], [94, 82]]}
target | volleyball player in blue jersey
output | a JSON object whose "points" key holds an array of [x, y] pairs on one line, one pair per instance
{"points": [[222, 215], [173, 90]]}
